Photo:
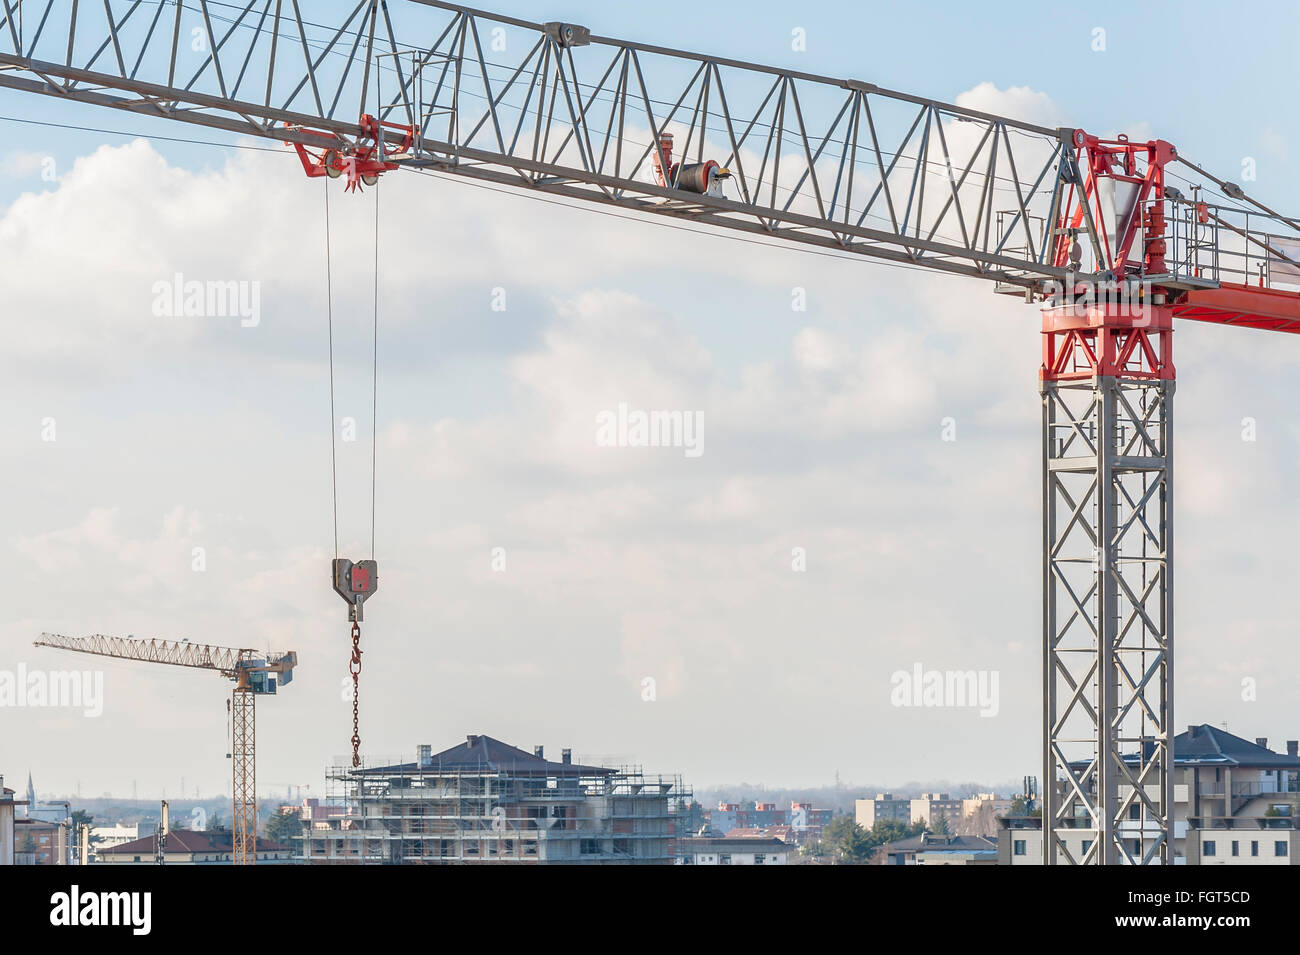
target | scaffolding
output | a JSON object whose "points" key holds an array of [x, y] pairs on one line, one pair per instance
{"points": [[428, 812]]}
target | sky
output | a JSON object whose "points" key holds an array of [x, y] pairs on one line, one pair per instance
{"points": [[531, 580]]}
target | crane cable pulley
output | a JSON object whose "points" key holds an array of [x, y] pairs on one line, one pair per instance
{"points": [[353, 581]]}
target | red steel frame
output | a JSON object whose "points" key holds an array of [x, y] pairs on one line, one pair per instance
{"points": [[363, 163], [1083, 341], [1141, 165]]}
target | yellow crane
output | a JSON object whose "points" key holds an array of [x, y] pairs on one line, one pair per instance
{"points": [[255, 673]]}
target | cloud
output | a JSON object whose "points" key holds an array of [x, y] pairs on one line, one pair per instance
{"points": [[823, 433]]}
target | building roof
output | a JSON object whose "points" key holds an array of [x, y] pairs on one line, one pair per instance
{"points": [[479, 754], [929, 842], [1206, 745], [189, 840], [728, 844], [1211, 745], [783, 833]]}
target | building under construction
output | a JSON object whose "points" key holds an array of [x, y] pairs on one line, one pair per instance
{"points": [[483, 801]]}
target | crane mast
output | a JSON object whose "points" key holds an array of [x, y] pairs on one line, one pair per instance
{"points": [[1091, 230], [254, 674]]}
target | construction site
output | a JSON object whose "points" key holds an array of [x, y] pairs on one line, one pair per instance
{"points": [[484, 801], [1103, 245]]}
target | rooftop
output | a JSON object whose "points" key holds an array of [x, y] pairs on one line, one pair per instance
{"points": [[1210, 745], [479, 754], [929, 842], [728, 844], [190, 840]]}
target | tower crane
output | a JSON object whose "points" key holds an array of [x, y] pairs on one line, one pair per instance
{"points": [[255, 674], [1095, 232]]}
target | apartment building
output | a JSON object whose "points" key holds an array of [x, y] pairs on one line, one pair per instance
{"points": [[732, 851], [931, 849], [1235, 803], [882, 807], [803, 820], [7, 807], [486, 802], [190, 847], [930, 807]]}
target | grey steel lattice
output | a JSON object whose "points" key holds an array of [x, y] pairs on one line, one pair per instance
{"points": [[829, 162], [1107, 620]]}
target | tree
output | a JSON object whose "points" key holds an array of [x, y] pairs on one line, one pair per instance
{"points": [[847, 842], [939, 824], [891, 830], [815, 849], [283, 827]]}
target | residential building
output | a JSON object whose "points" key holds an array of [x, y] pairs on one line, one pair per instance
{"points": [[190, 847], [930, 807], [7, 809], [729, 851], [1226, 790], [316, 813], [106, 837], [985, 802], [1264, 842], [883, 807], [724, 818], [931, 849], [804, 821], [484, 801], [786, 834], [38, 842]]}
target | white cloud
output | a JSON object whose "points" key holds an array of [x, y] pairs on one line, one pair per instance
{"points": [[822, 432]]}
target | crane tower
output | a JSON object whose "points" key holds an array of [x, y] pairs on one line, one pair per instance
{"points": [[254, 673]]}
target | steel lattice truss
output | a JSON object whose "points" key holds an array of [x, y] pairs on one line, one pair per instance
{"points": [[227, 660], [1107, 619], [817, 160], [243, 731]]}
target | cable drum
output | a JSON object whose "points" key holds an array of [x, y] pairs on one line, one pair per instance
{"points": [[695, 176]]}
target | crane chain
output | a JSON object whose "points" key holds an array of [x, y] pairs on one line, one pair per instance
{"points": [[354, 667]]}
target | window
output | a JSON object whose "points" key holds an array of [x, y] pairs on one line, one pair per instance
{"points": [[1234, 847], [590, 847], [1018, 847], [1135, 811], [759, 858], [1279, 848], [1087, 844], [1254, 848], [1208, 847]]}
